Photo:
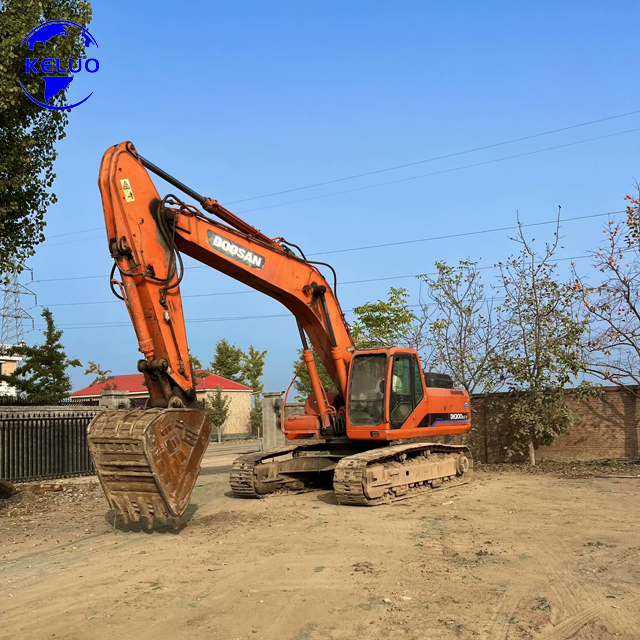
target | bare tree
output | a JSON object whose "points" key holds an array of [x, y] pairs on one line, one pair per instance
{"points": [[614, 306], [543, 347], [466, 331]]}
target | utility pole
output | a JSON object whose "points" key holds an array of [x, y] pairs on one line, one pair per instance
{"points": [[12, 313]]}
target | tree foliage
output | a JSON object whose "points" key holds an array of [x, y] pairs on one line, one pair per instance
{"points": [[386, 323], [198, 372], [255, 417], [613, 304], [302, 384], [233, 363], [217, 405], [228, 361], [465, 331], [100, 375], [28, 132], [246, 368], [42, 376], [253, 368], [544, 330]]}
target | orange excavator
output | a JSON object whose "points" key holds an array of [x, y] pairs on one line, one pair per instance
{"points": [[372, 434]]}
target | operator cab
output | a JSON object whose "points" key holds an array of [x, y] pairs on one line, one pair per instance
{"points": [[386, 387]]}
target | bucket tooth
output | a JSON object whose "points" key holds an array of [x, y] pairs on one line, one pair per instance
{"points": [[148, 461]]}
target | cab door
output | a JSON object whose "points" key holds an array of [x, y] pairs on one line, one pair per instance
{"points": [[406, 391]]}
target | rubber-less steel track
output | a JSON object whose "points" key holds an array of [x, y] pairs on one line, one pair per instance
{"points": [[377, 476], [243, 479]]}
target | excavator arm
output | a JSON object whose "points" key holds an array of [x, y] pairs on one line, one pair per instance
{"points": [[146, 235], [148, 461]]}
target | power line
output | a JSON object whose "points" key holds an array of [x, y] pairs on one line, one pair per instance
{"points": [[438, 173], [57, 244], [108, 325], [74, 233], [386, 244], [435, 158], [463, 234], [342, 284], [401, 166], [112, 325]]}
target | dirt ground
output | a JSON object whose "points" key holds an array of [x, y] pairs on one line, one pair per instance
{"points": [[512, 555]]}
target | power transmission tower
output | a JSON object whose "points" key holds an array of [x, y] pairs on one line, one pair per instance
{"points": [[12, 313]]}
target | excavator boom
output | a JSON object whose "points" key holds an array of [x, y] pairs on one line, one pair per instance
{"points": [[146, 235]]}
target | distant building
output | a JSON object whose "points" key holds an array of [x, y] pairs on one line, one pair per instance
{"points": [[239, 395], [8, 365]]}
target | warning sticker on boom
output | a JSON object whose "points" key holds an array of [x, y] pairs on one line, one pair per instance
{"points": [[235, 251], [127, 190]]}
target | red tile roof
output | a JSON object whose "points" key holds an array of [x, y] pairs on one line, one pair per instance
{"points": [[133, 384]]}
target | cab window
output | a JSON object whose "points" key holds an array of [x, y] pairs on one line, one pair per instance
{"points": [[417, 382], [402, 402], [366, 393]]}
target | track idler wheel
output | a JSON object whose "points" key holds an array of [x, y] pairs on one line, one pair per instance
{"points": [[462, 464]]}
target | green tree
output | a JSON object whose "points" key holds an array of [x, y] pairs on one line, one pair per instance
{"points": [[197, 370], [255, 416], [42, 376], [543, 345], [233, 363], [100, 375], [253, 370], [218, 407], [228, 361], [377, 324], [302, 384], [466, 332], [28, 132], [389, 323]]}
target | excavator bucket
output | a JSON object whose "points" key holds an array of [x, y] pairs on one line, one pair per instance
{"points": [[148, 461]]}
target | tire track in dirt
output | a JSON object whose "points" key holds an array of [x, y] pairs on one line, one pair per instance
{"points": [[626, 622], [570, 592], [569, 627], [500, 625], [573, 592]]}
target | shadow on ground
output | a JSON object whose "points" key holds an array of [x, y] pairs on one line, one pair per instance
{"points": [[150, 526]]}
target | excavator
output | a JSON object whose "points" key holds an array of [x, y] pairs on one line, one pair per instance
{"points": [[375, 433]]}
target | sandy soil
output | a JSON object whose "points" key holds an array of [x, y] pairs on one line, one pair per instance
{"points": [[511, 555]]}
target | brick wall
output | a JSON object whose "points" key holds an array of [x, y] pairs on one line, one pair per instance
{"points": [[608, 426]]}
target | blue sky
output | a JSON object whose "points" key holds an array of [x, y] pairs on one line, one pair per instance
{"points": [[244, 99]]}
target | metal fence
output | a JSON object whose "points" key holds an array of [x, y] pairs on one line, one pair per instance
{"points": [[47, 446], [16, 401]]}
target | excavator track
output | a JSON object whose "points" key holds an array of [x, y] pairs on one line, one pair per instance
{"points": [[256, 474], [148, 461], [389, 474]]}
